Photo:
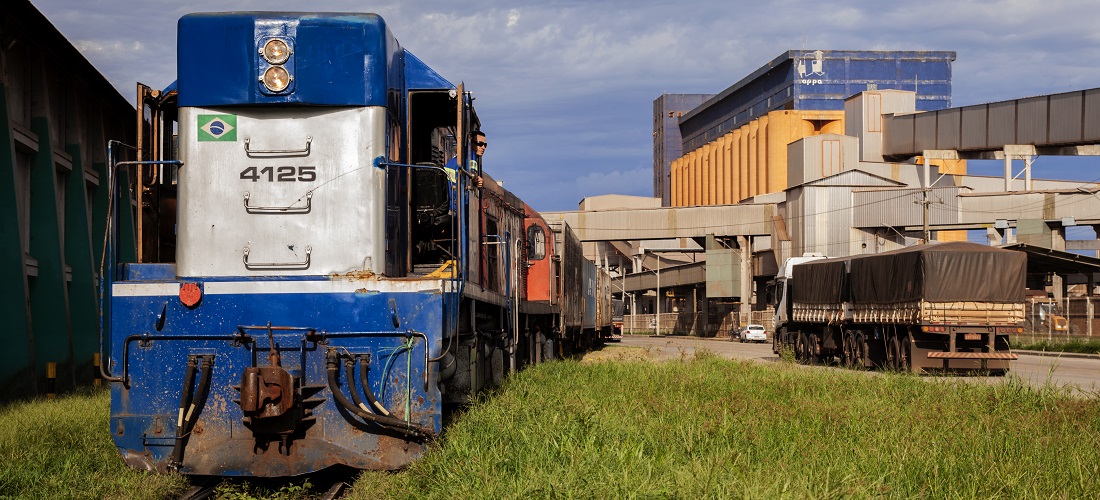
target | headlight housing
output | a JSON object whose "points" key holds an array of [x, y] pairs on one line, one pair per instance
{"points": [[276, 79], [276, 51]]}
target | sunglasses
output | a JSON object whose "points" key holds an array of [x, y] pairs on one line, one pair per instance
{"points": [[481, 144]]}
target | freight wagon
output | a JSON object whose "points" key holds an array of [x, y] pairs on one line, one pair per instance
{"points": [[939, 306]]}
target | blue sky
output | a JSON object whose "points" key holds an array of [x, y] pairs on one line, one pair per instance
{"points": [[565, 89]]}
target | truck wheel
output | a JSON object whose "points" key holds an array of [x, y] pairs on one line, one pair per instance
{"points": [[905, 355], [892, 353], [811, 346], [863, 350], [854, 351], [800, 348], [845, 349], [775, 340]]}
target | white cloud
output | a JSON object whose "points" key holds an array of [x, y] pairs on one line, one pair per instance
{"points": [[128, 48], [566, 87]]}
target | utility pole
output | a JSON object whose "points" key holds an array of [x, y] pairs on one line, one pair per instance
{"points": [[926, 235]]}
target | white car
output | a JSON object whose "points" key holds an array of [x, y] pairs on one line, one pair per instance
{"points": [[754, 333]]}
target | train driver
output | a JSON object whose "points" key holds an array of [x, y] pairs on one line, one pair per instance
{"points": [[479, 144]]}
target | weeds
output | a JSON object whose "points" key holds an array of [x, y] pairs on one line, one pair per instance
{"points": [[61, 449], [710, 427], [706, 427], [786, 354]]}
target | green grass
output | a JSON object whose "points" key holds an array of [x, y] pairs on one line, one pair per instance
{"points": [[714, 428], [62, 449], [701, 427], [1056, 344]]}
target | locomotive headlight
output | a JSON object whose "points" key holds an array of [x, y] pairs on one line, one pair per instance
{"points": [[276, 79], [276, 51]]}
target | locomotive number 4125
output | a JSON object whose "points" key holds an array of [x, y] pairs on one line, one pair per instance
{"points": [[280, 174]]}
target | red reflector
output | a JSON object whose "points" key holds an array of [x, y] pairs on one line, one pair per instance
{"points": [[190, 294]]}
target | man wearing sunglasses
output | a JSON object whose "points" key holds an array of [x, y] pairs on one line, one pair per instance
{"points": [[479, 144]]}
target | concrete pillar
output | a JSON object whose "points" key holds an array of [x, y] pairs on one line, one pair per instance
{"points": [[1088, 311], [746, 277], [695, 312], [1057, 283], [1058, 238], [995, 236]]}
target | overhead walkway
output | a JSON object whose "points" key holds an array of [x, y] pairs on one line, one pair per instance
{"points": [[668, 223], [1055, 124]]}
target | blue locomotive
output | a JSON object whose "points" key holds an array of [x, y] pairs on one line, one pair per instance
{"points": [[323, 278]]}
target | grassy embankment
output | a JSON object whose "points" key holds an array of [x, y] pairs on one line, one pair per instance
{"points": [[715, 428], [61, 449], [1056, 344], [702, 427]]}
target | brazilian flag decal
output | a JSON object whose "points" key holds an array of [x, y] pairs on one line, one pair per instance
{"points": [[217, 128]]}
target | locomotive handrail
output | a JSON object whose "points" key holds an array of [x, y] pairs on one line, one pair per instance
{"points": [[276, 265], [107, 260], [258, 153], [145, 337], [459, 226], [280, 210]]}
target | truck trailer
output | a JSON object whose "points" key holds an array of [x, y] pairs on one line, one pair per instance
{"points": [[930, 307]]}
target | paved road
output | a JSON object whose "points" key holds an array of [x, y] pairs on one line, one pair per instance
{"points": [[1078, 372]]}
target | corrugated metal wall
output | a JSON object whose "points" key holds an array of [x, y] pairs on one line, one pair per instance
{"points": [[56, 115], [820, 156], [901, 207], [749, 161], [820, 213]]}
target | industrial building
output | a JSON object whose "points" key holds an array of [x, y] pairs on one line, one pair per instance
{"points": [[841, 153], [735, 144], [667, 143], [56, 115]]}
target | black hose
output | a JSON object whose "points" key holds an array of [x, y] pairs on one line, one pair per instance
{"points": [[389, 422], [364, 367], [349, 373], [185, 401], [189, 412]]}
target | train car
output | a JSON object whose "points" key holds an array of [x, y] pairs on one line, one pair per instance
{"points": [[335, 280], [584, 292], [932, 307]]}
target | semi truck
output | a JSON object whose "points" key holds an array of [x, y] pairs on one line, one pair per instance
{"points": [[930, 307]]}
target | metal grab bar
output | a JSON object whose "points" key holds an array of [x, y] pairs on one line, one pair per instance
{"points": [[276, 265], [280, 210], [277, 152]]}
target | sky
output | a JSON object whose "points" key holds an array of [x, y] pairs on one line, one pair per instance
{"points": [[565, 89]]}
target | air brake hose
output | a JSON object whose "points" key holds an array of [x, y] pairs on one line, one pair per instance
{"points": [[185, 396], [389, 422], [364, 367], [185, 401], [194, 407], [349, 374]]}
